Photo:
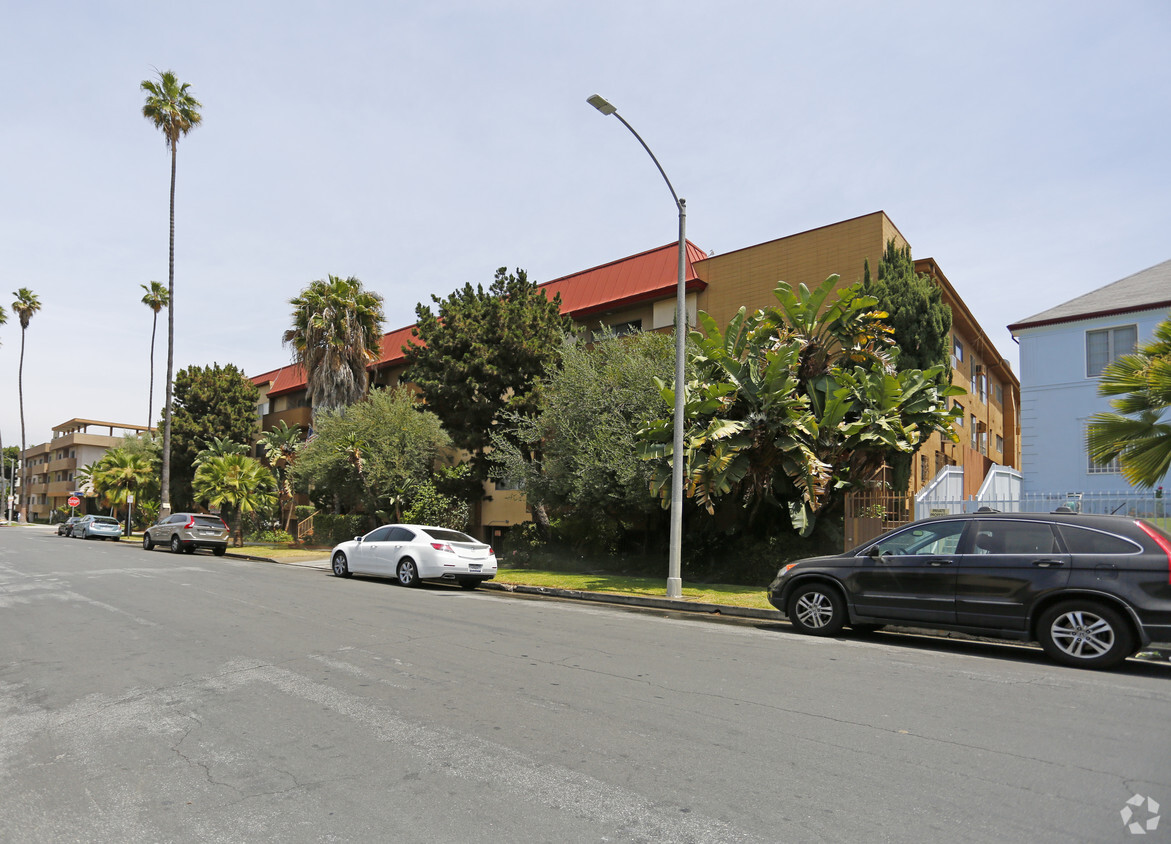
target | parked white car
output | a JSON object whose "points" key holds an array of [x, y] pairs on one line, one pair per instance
{"points": [[103, 527], [413, 553]]}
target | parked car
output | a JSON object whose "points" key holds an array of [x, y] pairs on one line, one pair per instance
{"points": [[103, 527], [66, 527], [414, 553], [1091, 589], [187, 531]]}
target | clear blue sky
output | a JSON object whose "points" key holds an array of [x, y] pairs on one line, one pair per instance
{"points": [[1023, 145]]}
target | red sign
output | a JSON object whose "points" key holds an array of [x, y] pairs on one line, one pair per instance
{"points": [[74, 501]]}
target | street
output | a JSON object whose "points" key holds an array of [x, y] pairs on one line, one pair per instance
{"points": [[160, 697]]}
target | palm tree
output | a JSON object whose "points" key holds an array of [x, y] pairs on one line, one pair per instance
{"points": [[236, 482], [24, 307], [173, 111], [156, 298], [280, 449], [1136, 434], [336, 333], [219, 447], [120, 474]]}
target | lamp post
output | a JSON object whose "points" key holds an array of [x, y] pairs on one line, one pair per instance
{"points": [[674, 565]]}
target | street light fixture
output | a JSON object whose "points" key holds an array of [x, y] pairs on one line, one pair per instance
{"points": [[674, 565]]}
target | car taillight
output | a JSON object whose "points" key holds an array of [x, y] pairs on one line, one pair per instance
{"points": [[1160, 540], [190, 523], [491, 553], [225, 524], [442, 546]]}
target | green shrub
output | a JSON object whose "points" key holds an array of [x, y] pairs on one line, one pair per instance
{"points": [[330, 528]]}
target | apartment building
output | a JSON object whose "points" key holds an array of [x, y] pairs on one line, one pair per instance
{"points": [[52, 466], [638, 293]]}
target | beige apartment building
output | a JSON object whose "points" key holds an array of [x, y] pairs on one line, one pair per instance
{"points": [[52, 466], [638, 293]]}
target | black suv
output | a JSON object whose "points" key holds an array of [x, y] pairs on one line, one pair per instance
{"points": [[1091, 589]]}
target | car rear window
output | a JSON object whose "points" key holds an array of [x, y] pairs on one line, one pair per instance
{"points": [[1082, 541], [209, 521], [105, 520], [448, 535]]}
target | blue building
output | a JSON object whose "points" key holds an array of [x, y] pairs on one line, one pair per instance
{"points": [[1063, 351]]}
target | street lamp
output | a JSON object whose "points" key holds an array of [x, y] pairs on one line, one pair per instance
{"points": [[674, 579]]}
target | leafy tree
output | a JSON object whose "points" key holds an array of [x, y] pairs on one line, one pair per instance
{"points": [[174, 112], [396, 440], [481, 356], [921, 321], [281, 445], [431, 506], [578, 456], [236, 484], [913, 302], [1137, 434], [156, 298], [795, 404], [209, 402], [336, 333], [219, 447], [24, 307]]}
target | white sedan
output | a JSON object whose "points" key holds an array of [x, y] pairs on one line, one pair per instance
{"points": [[414, 553]]}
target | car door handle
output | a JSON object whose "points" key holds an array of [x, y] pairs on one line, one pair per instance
{"points": [[939, 562], [1046, 564]]}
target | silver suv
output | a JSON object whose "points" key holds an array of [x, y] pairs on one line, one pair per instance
{"points": [[187, 531]]}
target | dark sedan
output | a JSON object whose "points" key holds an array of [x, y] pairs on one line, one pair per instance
{"points": [[1091, 589]]}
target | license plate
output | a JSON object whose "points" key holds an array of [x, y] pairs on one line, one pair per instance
{"points": [[474, 567]]}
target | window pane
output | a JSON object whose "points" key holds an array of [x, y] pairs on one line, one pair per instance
{"points": [[1082, 541], [1097, 352], [1125, 341], [937, 538]]}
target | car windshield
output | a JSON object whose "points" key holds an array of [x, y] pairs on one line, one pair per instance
{"points": [[444, 535]]}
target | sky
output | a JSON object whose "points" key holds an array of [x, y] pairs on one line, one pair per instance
{"points": [[419, 146]]}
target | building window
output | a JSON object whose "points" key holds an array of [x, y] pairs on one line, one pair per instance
{"points": [[1107, 345], [1000, 444], [924, 468], [957, 352], [975, 434], [960, 418], [1111, 468], [998, 393]]}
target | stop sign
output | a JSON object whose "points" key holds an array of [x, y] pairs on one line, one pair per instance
{"points": [[74, 501]]}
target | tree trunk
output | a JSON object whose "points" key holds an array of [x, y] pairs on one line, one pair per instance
{"points": [[165, 480], [150, 402], [22, 503]]}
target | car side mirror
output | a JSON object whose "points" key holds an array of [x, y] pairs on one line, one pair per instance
{"points": [[357, 539], [873, 551]]}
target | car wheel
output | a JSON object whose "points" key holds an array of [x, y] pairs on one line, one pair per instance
{"points": [[176, 545], [220, 550], [147, 542], [408, 573], [817, 609], [341, 566], [469, 583], [1085, 634]]}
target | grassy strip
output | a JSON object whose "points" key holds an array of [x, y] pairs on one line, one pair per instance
{"points": [[707, 593]]}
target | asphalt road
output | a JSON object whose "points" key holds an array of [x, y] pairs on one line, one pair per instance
{"points": [[155, 697]]}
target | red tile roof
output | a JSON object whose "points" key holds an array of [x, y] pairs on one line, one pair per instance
{"points": [[646, 276]]}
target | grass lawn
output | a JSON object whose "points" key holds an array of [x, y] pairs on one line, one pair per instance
{"points": [[708, 593]]}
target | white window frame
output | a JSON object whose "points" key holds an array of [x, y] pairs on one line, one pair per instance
{"points": [[1112, 353]]}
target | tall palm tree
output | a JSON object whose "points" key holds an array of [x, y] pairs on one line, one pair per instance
{"points": [[173, 111], [1137, 435], [156, 298], [336, 333], [24, 307]]}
